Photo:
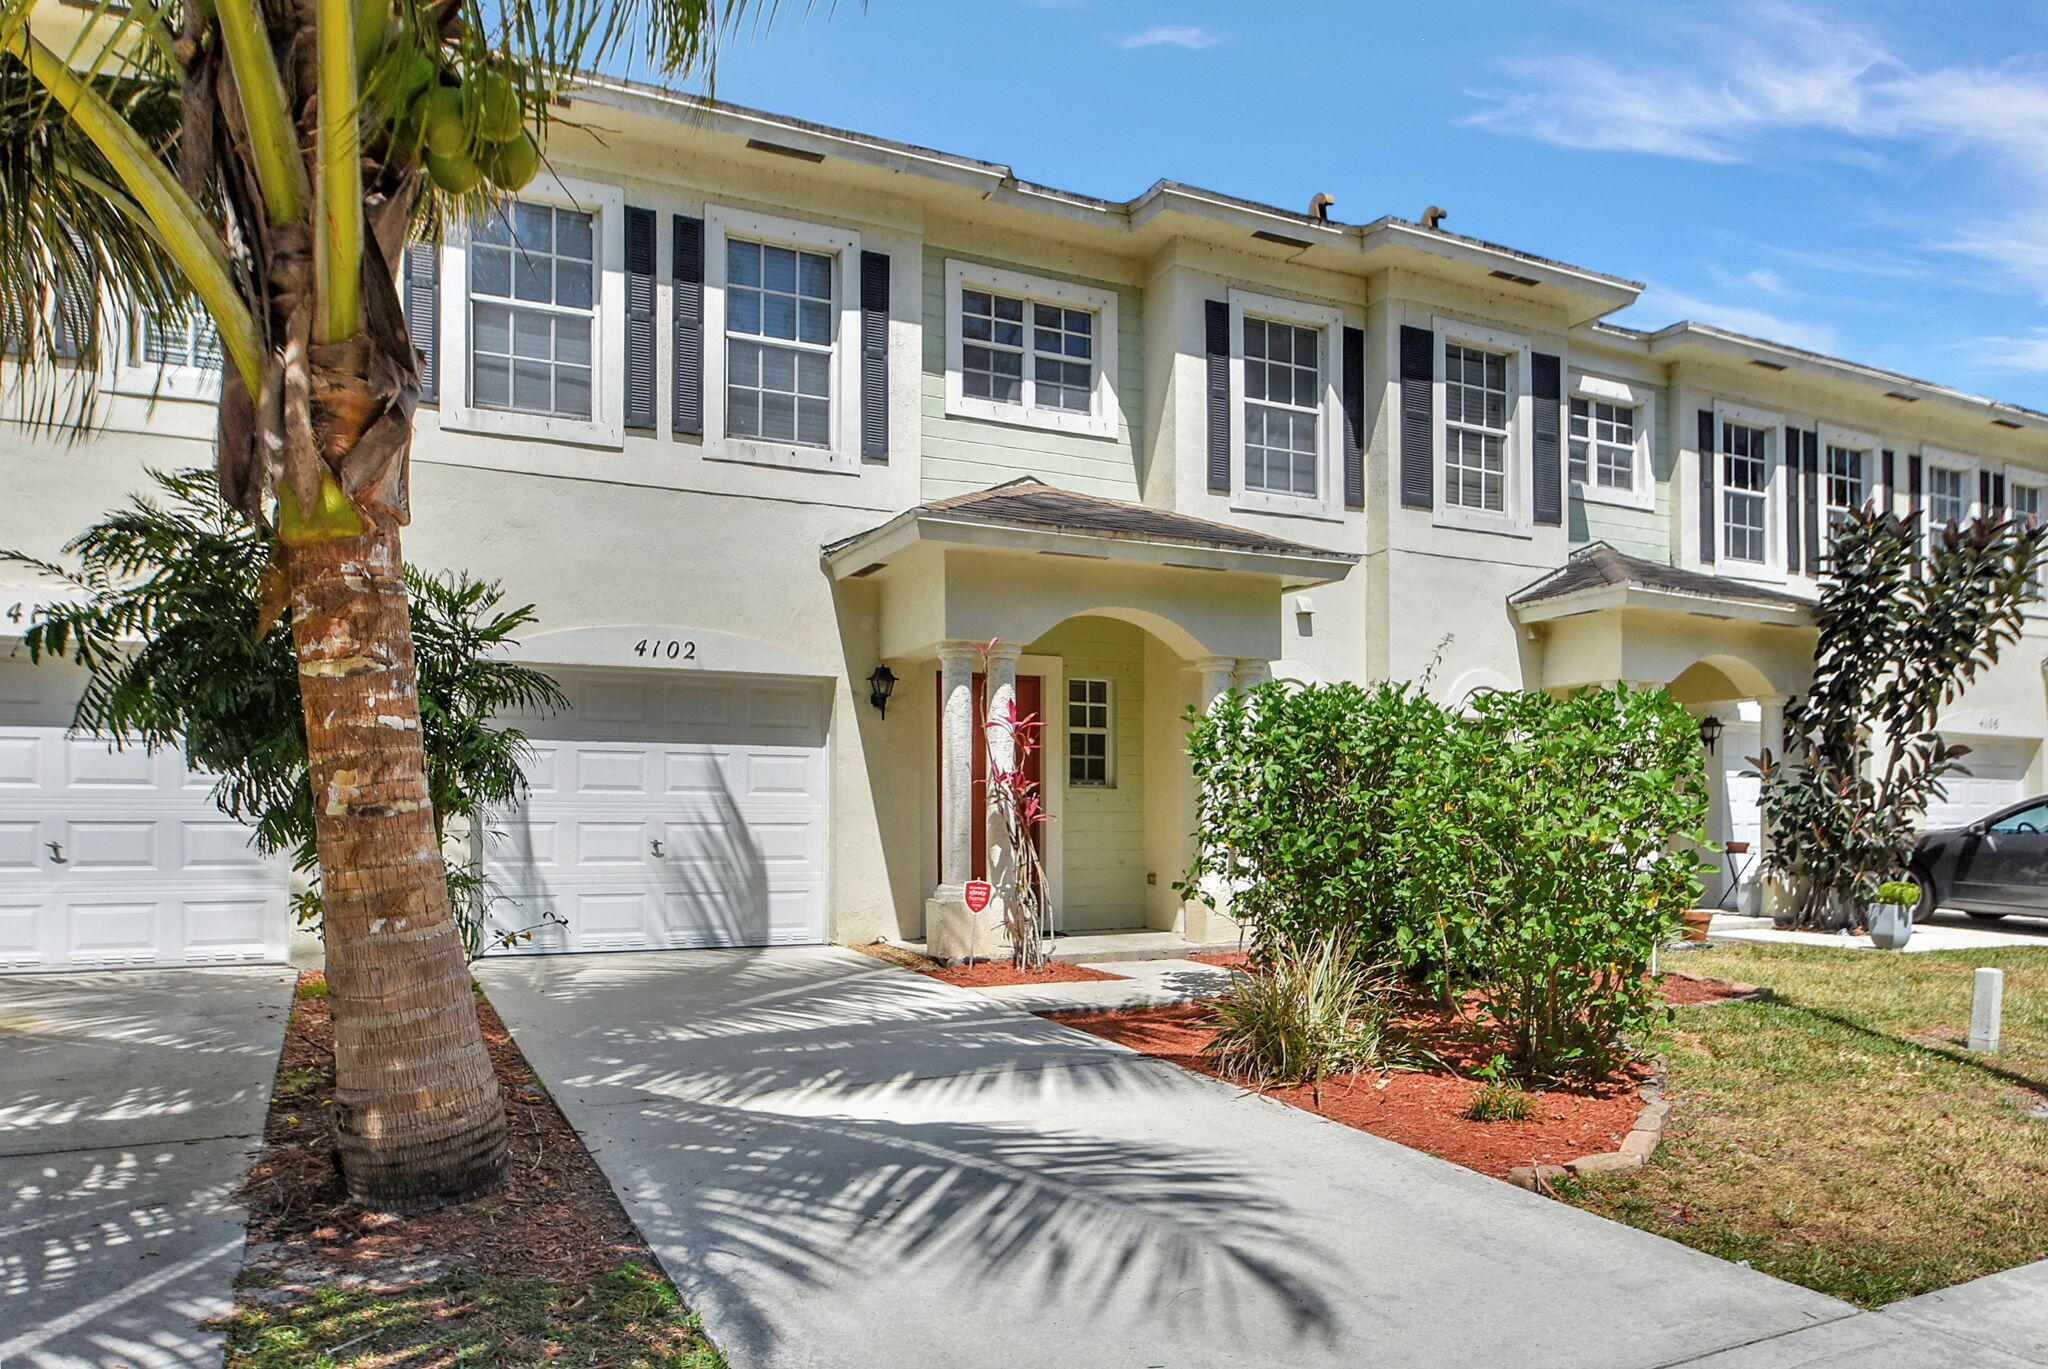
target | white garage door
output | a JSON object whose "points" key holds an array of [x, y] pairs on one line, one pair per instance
{"points": [[1997, 778], [669, 810], [117, 858]]}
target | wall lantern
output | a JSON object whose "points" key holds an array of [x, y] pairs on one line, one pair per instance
{"points": [[1710, 732], [881, 685]]}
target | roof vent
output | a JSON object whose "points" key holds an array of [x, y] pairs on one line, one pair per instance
{"points": [[1511, 276], [1434, 216], [1264, 235], [1767, 365], [1319, 207], [1902, 396], [2005, 423], [785, 150]]}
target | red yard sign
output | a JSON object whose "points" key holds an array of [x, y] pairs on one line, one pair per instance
{"points": [[977, 892]]}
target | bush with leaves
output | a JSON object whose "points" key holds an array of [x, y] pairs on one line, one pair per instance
{"points": [[1901, 636], [171, 590], [1532, 847], [1310, 1011]]}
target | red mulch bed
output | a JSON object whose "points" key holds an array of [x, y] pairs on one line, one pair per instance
{"points": [[1421, 1109], [554, 1216], [1224, 960], [1685, 990], [990, 974]]}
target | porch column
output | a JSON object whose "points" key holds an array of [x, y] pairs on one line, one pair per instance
{"points": [[1002, 743], [1252, 673], [956, 763], [1214, 674]]}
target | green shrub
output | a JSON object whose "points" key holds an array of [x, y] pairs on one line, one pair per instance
{"points": [[1534, 847], [1496, 1102], [1308, 1012], [1900, 891]]}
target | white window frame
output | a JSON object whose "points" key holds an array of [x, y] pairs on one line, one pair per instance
{"points": [[1775, 475], [1100, 420], [1327, 321], [1107, 731], [1517, 518], [1872, 447], [135, 375], [2035, 479], [606, 425], [1973, 507], [1643, 493], [843, 244]]}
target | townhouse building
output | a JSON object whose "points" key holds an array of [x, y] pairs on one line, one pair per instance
{"points": [[779, 426]]}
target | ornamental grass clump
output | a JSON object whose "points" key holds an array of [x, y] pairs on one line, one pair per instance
{"points": [[1308, 1012]]}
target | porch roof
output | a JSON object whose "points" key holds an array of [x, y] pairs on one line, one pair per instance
{"points": [[1028, 514], [1598, 576]]}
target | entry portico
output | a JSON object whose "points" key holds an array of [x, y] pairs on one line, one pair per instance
{"points": [[1108, 620]]}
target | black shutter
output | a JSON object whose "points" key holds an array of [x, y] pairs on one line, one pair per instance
{"points": [[1812, 440], [1216, 356], [1913, 480], [641, 226], [1888, 471], [423, 314], [687, 262], [1546, 378], [874, 356], [1792, 523], [1351, 392], [1418, 412], [1997, 496], [1706, 462]]}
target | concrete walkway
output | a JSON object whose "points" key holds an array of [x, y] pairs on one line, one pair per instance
{"points": [[1945, 931], [131, 1104], [1144, 984], [844, 1164]]}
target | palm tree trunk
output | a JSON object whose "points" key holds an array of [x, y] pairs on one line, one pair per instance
{"points": [[420, 1119]]}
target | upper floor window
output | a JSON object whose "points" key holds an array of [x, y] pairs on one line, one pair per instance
{"points": [[533, 310], [1477, 399], [171, 356], [1283, 386], [1949, 496], [1603, 444], [779, 330], [2023, 499], [188, 339], [782, 326], [1284, 415], [1030, 350], [1845, 477], [1089, 749], [1745, 472]]}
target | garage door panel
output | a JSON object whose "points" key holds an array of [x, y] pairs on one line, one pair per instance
{"points": [[225, 928], [20, 843], [1997, 779], [116, 931], [697, 765], [94, 765], [24, 762], [216, 846]]}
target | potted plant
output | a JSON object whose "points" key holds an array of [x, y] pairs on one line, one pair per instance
{"points": [[1891, 916], [1694, 922]]}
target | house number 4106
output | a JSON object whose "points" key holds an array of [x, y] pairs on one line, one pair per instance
{"points": [[655, 648]]}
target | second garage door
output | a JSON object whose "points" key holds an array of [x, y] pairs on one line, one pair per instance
{"points": [[669, 810], [1997, 779]]}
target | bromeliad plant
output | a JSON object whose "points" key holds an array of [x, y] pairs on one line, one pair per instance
{"points": [[166, 592], [1016, 860], [1901, 635], [266, 161]]}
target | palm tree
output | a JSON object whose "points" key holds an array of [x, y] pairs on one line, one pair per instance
{"points": [[266, 161]]}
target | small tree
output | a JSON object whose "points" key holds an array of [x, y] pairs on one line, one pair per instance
{"points": [[1902, 635], [178, 653], [1019, 812]]}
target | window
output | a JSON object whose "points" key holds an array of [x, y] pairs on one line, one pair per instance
{"points": [[1283, 386], [1476, 409], [533, 310], [1029, 350], [1603, 444], [779, 331], [782, 335], [1088, 733], [2027, 820], [1745, 492], [1948, 498], [189, 339], [1284, 418], [1846, 477], [2023, 501]]}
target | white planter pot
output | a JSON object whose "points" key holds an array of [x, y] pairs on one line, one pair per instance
{"points": [[1891, 925]]}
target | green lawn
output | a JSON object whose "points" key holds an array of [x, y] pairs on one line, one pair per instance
{"points": [[627, 1319], [1841, 1136]]}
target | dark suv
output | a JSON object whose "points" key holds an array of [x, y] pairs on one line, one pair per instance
{"points": [[1988, 868]]}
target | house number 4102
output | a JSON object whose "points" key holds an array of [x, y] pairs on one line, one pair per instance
{"points": [[654, 648]]}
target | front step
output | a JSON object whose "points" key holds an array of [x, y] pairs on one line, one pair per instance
{"points": [[1106, 948]]}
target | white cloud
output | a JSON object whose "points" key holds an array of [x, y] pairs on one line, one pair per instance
{"points": [[1659, 306], [1773, 80], [2027, 352], [1170, 36]]}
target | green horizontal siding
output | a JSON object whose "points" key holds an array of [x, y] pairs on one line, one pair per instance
{"points": [[965, 454]]}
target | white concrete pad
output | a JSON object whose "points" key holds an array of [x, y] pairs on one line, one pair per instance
{"points": [[1872, 1340], [131, 1105], [844, 1164], [1145, 984], [2005, 1312]]}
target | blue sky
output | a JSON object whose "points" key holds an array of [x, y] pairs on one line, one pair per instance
{"points": [[1869, 180]]}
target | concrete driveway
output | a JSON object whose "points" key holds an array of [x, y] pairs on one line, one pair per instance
{"points": [[131, 1104], [843, 1164]]}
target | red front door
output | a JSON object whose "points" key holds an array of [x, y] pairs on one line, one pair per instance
{"points": [[1030, 704]]}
